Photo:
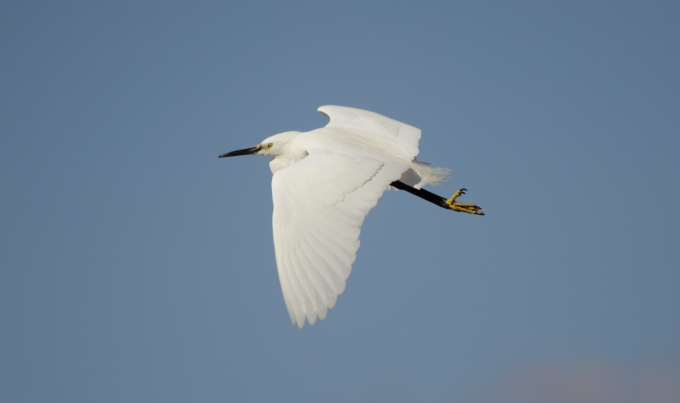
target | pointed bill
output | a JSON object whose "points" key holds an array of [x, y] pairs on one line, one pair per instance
{"points": [[245, 151]]}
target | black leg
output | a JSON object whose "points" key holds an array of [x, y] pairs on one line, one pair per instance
{"points": [[449, 204], [423, 194]]}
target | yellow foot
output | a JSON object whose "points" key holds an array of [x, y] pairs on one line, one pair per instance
{"points": [[463, 207]]}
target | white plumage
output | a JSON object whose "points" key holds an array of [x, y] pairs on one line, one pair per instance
{"points": [[324, 183]]}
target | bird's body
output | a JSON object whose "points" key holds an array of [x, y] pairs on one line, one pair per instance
{"points": [[324, 183]]}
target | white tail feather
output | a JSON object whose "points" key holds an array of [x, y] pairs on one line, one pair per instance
{"points": [[422, 173]]}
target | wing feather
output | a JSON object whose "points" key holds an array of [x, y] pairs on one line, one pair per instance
{"points": [[311, 297], [373, 125], [333, 283], [294, 292], [320, 204]]}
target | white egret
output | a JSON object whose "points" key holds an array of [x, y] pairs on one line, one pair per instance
{"points": [[324, 183]]}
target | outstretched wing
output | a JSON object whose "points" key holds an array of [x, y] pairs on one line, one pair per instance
{"points": [[319, 206], [393, 133]]}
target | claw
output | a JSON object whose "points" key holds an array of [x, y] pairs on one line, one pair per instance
{"points": [[456, 195], [462, 207]]}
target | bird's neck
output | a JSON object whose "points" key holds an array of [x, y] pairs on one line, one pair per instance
{"points": [[286, 160]]}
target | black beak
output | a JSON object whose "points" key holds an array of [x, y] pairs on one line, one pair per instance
{"points": [[245, 151]]}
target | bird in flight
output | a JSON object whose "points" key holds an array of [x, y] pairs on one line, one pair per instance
{"points": [[324, 183]]}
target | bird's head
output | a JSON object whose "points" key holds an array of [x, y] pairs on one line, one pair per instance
{"points": [[272, 146]]}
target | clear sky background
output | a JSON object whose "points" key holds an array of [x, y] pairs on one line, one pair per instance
{"points": [[136, 266]]}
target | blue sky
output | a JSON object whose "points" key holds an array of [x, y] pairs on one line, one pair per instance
{"points": [[137, 266]]}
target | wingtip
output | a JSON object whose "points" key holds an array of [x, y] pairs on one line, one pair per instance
{"points": [[321, 111]]}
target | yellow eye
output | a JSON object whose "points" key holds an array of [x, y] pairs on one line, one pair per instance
{"points": [[270, 145]]}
